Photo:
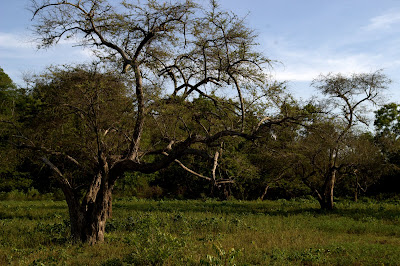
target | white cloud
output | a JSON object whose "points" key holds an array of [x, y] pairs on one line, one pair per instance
{"points": [[9, 40], [383, 22], [18, 45], [306, 65], [367, 49], [301, 65], [19, 54], [23, 45]]}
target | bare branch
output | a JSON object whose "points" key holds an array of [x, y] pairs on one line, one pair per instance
{"points": [[60, 177], [189, 170]]}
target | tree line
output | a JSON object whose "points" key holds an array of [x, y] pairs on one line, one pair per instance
{"points": [[180, 104]]}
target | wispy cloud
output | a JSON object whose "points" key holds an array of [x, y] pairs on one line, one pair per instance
{"points": [[384, 22]]}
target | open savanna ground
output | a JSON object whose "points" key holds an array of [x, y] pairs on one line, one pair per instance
{"points": [[144, 232]]}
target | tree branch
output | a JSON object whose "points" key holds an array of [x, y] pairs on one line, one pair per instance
{"points": [[60, 177]]}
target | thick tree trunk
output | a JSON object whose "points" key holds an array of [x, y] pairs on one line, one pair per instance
{"points": [[326, 201], [88, 219], [95, 217]]}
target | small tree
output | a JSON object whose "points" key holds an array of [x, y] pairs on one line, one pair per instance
{"points": [[173, 52]]}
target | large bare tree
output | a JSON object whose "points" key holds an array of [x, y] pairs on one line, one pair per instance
{"points": [[174, 52]]}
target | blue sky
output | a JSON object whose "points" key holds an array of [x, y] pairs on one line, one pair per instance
{"points": [[307, 37]]}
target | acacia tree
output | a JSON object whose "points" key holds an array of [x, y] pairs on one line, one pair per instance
{"points": [[174, 51], [348, 98]]}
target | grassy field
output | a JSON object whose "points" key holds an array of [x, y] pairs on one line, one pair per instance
{"points": [[144, 232]]}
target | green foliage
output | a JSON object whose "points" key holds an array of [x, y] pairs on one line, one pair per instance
{"points": [[67, 103], [8, 95], [387, 119], [5, 81], [60, 114], [12, 176], [387, 138]]}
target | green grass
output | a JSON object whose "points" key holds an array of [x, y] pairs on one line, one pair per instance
{"points": [[144, 232]]}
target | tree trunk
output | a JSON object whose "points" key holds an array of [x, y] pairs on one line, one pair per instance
{"points": [[356, 194], [356, 189], [327, 197], [88, 219], [75, 216], [265, 192]]}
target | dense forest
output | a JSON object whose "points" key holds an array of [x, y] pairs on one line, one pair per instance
{"points": [[193, 114]]}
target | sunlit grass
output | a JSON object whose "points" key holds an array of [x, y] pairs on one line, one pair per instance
{"points": [[144, 232]]}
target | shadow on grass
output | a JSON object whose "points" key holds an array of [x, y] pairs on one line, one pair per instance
{"points": [[260, 208]]}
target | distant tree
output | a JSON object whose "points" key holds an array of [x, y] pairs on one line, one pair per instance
{"points": [[8, 94], [174, 52], [347, 100]]}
